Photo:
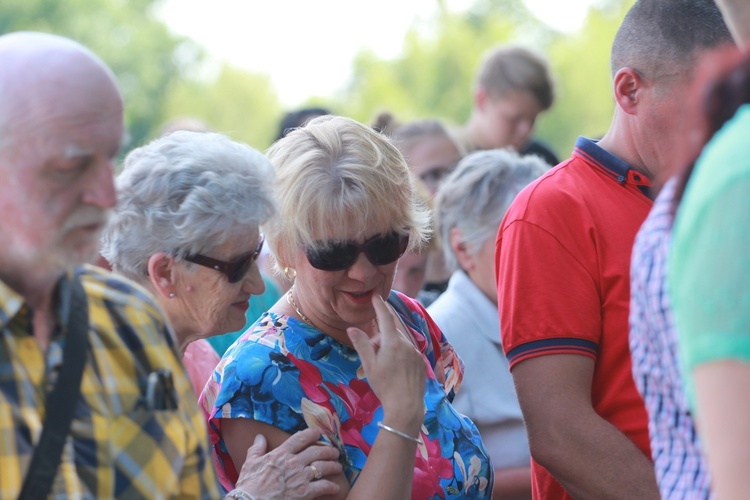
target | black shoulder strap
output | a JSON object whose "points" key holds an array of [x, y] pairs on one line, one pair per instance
{"points": [[61, 402]]}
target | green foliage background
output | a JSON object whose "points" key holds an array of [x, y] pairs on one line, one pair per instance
{"points": [[433, 77], [165, 76], [144, 55]]}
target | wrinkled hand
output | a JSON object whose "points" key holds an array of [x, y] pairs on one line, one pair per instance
{"points": [[285, 472], [395, 370]]}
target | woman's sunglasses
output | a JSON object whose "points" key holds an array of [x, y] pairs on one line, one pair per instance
{"points": [[338, 255], [234, 270]]}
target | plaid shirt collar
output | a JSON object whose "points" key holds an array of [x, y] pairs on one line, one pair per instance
{"points": [[10, 304]]}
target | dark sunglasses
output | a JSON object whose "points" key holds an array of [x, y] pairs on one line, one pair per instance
{"points": [[234, 270], [338, 255]]}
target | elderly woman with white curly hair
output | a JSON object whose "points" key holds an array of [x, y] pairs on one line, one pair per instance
{"points": [[186, 227], [341, 352], [469, 206]]}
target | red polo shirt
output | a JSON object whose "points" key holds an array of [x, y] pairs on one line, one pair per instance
{"points": [[563, 265]]}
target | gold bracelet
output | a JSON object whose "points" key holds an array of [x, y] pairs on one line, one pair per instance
{"points": [[417, 440]]}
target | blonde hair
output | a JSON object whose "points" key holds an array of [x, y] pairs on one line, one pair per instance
{"points": [[335, 176]]}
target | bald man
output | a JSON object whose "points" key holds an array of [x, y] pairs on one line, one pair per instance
{"points": [[61, 126]]}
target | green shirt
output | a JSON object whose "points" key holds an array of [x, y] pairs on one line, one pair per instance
{"points": [[709, 274]]}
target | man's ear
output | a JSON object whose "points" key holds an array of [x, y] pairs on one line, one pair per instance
{"points": [[480, 98], [161, 273], [628, 85], [461, 250]]}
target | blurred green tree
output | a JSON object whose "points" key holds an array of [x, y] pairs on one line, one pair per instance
{"points": [[240, 104], [139, 48], [164, 76], [580, 62], [433, 76]]}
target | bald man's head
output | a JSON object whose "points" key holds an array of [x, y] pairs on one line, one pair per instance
{"points": [[39, 69], [61, 125]]}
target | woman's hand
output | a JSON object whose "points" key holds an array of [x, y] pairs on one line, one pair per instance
{"points": [[395, 370], [299, 469]]}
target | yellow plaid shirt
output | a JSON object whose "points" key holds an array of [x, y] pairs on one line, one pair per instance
{"points": [[119, 446]]}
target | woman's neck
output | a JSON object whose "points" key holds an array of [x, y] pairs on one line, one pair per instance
{"points": [[290, 305]]}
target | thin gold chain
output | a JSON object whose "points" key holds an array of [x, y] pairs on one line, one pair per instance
{"points": [[291, 302]]}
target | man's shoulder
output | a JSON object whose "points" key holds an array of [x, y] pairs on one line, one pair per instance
{"points": [[117, 290], [121, 307], [559, 189]]}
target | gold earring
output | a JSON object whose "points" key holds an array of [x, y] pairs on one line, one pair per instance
{"points": [[290, 273]]}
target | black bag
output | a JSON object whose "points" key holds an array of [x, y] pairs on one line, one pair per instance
{"points": [[61, 402]]}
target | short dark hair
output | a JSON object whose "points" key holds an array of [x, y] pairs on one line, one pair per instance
{"points": [[297, 118], [511, 68], [659, 38]]}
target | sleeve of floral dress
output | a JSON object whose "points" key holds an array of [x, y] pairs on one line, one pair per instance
{"points": [[446, 364]]}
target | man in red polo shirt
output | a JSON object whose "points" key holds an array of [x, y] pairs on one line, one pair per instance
{"points": [[563, 260]]}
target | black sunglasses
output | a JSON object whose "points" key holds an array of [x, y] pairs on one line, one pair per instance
{"points": [[338, 255], [234, 270]]}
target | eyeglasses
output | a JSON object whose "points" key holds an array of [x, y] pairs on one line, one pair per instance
{"points": [[234, 270], [338, 255], [433, 177]]}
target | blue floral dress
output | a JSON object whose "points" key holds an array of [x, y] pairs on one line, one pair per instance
{"points": [[288, 374]]}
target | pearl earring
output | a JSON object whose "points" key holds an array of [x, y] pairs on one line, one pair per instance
{"points": [[290, 273], [171, 295]]}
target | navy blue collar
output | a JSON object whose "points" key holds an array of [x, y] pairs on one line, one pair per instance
{"points": [[620, 170]]}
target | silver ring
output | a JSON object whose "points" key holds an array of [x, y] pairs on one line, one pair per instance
{"points": [[316, 473]]}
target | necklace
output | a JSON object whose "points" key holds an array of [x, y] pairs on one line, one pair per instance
{"points": [[291, 302]]}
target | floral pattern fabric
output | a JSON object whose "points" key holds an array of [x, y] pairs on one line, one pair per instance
{"points": [[288, 374]]}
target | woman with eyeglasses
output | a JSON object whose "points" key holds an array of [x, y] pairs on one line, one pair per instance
{"points": [[186, 227], [340, 352], [431, 153]]}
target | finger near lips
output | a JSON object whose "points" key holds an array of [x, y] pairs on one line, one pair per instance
{"points": [[385, 319], [388, 330]]}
